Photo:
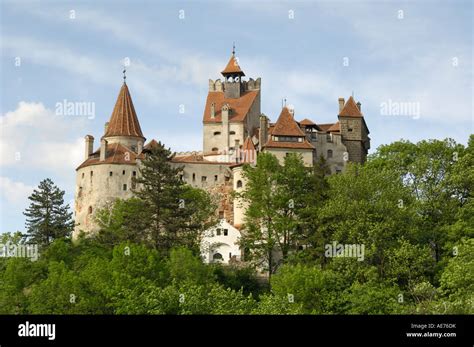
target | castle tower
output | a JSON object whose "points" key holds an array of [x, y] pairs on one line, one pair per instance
{"points": [[354, 130], [107, 173], [231, 113]]}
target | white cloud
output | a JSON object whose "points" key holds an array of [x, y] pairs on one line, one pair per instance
{"points": [[14, 192], [34, 137]]}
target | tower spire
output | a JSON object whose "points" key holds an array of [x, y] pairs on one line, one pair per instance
{"points": [[124, 74], [233, 49]]}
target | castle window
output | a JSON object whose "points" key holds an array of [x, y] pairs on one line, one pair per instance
{"points": [[217, 133], [123, 172], [217, 257], [79, 194], [329, 153], [92, 173], [239, 184], [90, 210], [218, 232], [134, 173], [181, 177], [215, 178], [83, 175], [232, 133], [214, 149], [349, 130], [227, 178], [110, 173], [194, 177], [203, 179], [329, 137], [124, 187], [226, 232]]}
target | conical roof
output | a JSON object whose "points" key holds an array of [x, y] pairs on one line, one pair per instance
{"points": [[124, 120]]}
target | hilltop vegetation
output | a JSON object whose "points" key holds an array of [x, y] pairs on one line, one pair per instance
{"points": [[411, 206]]}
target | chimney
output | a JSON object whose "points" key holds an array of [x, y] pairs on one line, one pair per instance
{"points": [[103, 149], [225, 113], [263, 133], [89, 140], [106, 126], [359, 105], [213, 110], [341, 104], [139, 147]]}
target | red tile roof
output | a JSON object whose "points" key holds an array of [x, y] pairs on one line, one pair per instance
{"points": [[306, 121], [300, 145], [325, 127], [233, 67], [116, 154], [335, 127], [239, 107], [124, 120], [286, 125], [350, 109]]}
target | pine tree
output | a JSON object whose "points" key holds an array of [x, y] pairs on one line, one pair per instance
{"points": [[178, 213], [48, 218]]}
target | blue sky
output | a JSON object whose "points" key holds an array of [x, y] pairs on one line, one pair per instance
{"points": [[309, 52]]}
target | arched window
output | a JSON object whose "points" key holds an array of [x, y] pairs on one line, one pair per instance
{"points": [[90, 210], [239, 184], [217, 257], [215, 149], [329, 153]]}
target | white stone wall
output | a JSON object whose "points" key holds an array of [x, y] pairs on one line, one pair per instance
{"points": [[225, 245], [239, 206], [98, 190], [280, 153]]}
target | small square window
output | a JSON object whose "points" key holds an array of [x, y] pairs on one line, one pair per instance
{"points": [[218, 232], [203, 179]]}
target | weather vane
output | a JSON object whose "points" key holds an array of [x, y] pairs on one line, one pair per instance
{"points": [[124, 76], [233, 48]]}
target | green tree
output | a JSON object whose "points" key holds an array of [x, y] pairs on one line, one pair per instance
{"points": [[48, 218], [177, 213]]}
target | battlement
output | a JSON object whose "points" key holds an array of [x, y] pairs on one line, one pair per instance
{"points": [[219, 86]]}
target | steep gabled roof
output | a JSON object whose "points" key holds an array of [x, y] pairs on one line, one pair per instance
{"points": [[233, 67], [286, 125], [124, 120], [350, 109], [325, 127], [239, 107]]}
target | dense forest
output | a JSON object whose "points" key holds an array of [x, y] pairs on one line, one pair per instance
{"points": [[410, 206]]}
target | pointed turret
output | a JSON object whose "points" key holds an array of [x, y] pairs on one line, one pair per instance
{"points": [[124, 120]]}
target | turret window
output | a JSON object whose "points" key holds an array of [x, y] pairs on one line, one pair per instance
{"points": [[92, 173]]}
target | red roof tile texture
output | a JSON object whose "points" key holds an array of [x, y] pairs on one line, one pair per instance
{"points": [[233, 67], [286, 125], [124, 120], [350, 109], [115, 154], [239, 107]]}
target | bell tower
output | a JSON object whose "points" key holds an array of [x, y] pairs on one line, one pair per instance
{"points": [[233, 78]]}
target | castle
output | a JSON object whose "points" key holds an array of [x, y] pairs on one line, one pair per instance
{"points": [[234, 132]]}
